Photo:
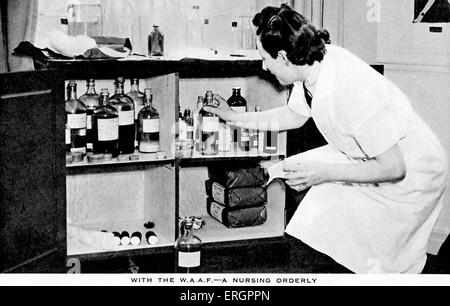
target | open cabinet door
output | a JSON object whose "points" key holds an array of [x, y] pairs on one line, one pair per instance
{"points": [[32, 172]]}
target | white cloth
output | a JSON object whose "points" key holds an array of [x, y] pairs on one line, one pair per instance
{"points": [[380, 228]]}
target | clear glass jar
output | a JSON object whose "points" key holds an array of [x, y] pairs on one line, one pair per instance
{"points": [[85, 18]]}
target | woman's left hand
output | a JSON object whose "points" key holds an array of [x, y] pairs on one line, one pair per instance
{"points": [[306, 174]]}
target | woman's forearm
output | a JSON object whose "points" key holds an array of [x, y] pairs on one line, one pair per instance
{"points": [[277, 119], [388, 167]]}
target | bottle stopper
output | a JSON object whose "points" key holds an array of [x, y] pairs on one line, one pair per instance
{"points": [[151, 237], [136, 238], [125, 238]]}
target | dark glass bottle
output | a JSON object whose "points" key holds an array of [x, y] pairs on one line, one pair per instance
{"points": [[189, 121], [91, 100], [149, 125], [125, 107], [188, 249], [156, 42], [210, 127], [238, 103], [75, 120], [138, 98], [105, 127]]}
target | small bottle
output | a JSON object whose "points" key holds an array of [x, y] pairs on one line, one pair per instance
{"points": [[136, 238], [270, 142], [188, 249], [156, 42], [197, 124], [125, 107], [149, 125], [189, 121], [151, 238], [239, 104], [255, 135], [76, 120], [105, 127], [235, 36], [194, 28], [210, 127], [91, 100], [138, 98], [125, 238]]}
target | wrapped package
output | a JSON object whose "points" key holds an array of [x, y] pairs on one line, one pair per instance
{"points": [[238, 177], [236, 197], [237, 218]]}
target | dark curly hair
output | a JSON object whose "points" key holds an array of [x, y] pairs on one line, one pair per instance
{"points": [[285, 29]]}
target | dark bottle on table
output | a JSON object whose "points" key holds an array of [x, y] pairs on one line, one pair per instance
{"points": [[238, 104], [125, 107], [138, 98], [149, 125], [156, 42], [189, 121], [188, 249], [210, 127], [105, 127], [91, 100], [75, 121]]}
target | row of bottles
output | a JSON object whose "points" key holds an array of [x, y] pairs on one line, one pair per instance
{"points": [[111, 125], [211, 135]]}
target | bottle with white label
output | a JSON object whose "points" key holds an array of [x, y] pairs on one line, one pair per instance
{"points": [[255, 136], [238, 104], [210, 127], [105, 127], [149, 125], [138, 98], [188, 249], [125, 107], [75, 120], [91, 100]]}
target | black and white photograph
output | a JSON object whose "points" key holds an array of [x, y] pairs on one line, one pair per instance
{"points": [[224, 143]]}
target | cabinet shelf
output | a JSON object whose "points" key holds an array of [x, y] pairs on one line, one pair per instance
{"points": [[144, 159], [200, 160], [76, 248]]}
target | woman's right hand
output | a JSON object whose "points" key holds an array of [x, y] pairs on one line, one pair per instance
{"points": [[223, 110]]}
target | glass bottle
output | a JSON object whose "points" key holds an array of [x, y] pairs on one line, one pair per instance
{"points": [[138, 98], [91, 100], [149, 125], [238, 104], [125, 107], [156, 42], [210, 127], [189, 121], [188, 249], [197, 124], [254, 135], [270, 142], [85, 18], [105, 127], [194, 28], [75, 120]]}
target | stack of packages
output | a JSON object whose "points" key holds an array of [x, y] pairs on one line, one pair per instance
{"points": [[237, 196]]}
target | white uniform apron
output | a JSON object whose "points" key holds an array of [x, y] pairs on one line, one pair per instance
{"points": [[380, 228]]}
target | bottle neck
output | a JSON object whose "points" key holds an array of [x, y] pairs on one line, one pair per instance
{"points": [[72, 92], [134, 85], [187, 231], [236, 92], [104, 100], [91, 89], [119, 88], [148, 100]]}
